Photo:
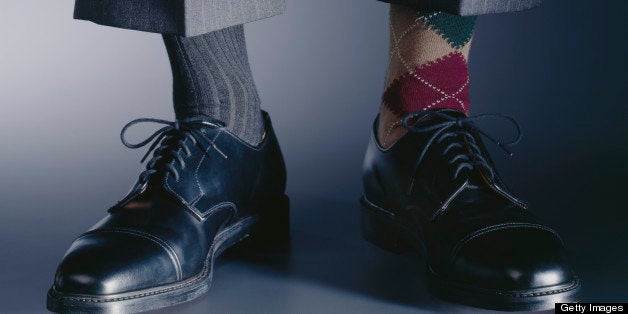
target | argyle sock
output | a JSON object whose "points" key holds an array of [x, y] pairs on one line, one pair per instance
{"points": [[212, 77], [427, 67]]}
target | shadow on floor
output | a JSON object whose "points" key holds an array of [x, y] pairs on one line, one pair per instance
{"points": [[338, 258]]}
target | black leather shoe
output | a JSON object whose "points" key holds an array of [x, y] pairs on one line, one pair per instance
{"points": [[436, 191], [202, 192]]}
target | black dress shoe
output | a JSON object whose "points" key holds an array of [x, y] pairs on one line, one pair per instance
{"points": [[202, 192], [436, 191]]}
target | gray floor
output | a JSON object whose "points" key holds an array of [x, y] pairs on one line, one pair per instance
{"points": [[67, 87]]}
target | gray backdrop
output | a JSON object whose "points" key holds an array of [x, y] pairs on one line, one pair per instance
{"points": [[67, 87]]}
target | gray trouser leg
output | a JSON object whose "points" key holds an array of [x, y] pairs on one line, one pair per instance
{"points": [[469, 7], [176, 17]]}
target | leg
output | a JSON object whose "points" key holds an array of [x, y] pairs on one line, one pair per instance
{"points": [[427, 69], [216, 175], [212, 77], [431, 187], [429, 51]]}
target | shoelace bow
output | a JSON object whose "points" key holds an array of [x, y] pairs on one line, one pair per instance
{"points": [[173, 140], [458, 128]]}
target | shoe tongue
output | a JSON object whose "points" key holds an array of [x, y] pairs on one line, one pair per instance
{"points": [[474, 178], [451, 112], [469, 196], [209, 121], [434, 119]]}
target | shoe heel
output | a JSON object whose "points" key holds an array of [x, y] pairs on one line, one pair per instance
{"points": [[379, 228], [275, 223], [272, 233]]}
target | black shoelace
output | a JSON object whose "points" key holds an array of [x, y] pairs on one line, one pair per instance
{"points": [[470, 156], [173, 138]]}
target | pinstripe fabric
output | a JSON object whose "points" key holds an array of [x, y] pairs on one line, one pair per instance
{"points": [[203, 16], [196, 17], [176, 17], [469, 7]]}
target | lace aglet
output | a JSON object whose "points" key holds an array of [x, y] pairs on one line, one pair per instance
{"points": [[144, 158], [503, 147], [220, 152]]}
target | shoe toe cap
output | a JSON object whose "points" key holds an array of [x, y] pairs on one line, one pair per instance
{"points": [[107, 263], [513, 259]]}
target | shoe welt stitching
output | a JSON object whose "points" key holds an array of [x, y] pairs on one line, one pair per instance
{"points": [[193, 280]]}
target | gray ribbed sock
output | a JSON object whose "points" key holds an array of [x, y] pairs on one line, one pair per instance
{"points": [[212, 77]]}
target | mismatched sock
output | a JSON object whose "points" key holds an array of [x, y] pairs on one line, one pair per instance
{"points": [[427, 68], [212, 77]]}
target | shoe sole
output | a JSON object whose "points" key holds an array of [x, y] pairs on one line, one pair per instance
{"points": [[268, 230], [383, 229]]}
